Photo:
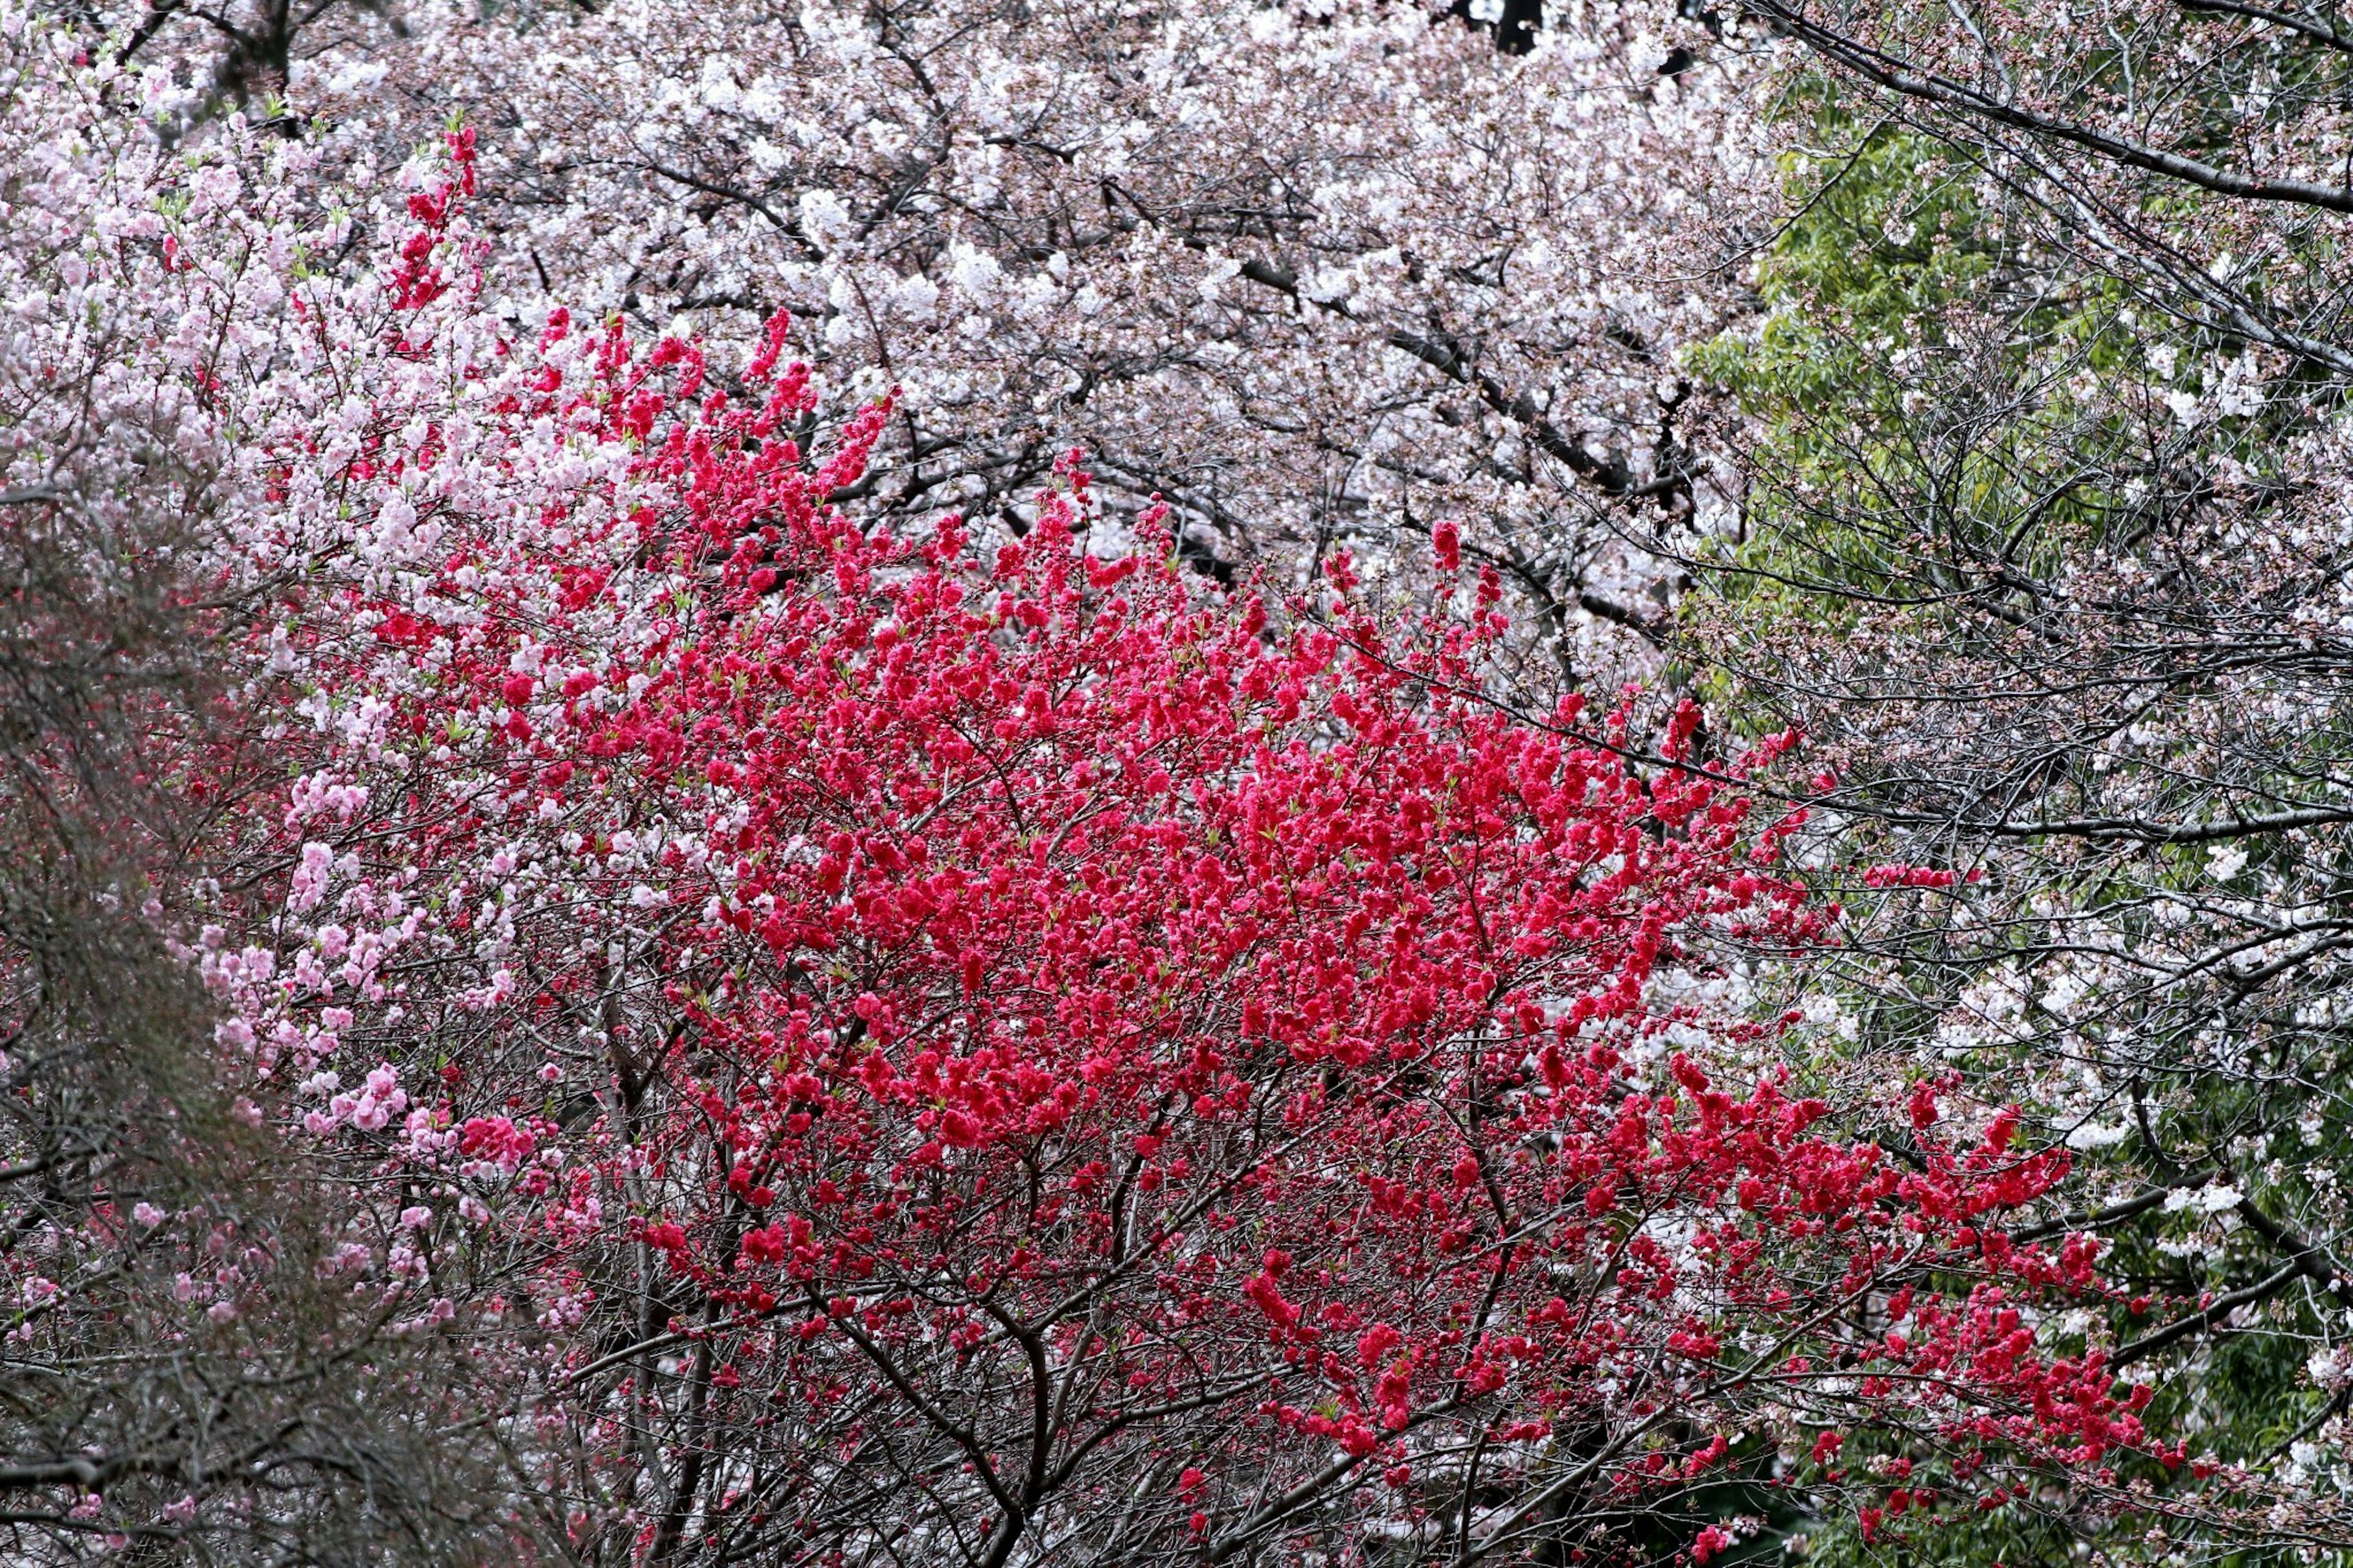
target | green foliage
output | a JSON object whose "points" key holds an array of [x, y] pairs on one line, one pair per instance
{"points": [[1910, 354]]}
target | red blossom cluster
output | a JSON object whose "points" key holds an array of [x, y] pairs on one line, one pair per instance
{"points": [[1015, 1049], [844, 1036]]}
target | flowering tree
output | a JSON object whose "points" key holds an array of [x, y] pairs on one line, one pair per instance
{"points": [[1318, 276], [861, 1043], [2049, 560], [146, 1409], [750, 1020]]}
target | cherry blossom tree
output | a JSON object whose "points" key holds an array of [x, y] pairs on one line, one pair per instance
{"points": [[1318, 276], [2046, 493]]}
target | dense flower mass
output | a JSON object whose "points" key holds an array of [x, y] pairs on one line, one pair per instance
{"points": [[616, 951], [1322, 275], [821, 1005]]}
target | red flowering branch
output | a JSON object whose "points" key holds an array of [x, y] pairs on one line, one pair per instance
{"points": [[895, 1038]]}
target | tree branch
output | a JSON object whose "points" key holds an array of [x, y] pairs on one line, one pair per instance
{"points": [[1898, 77]]}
